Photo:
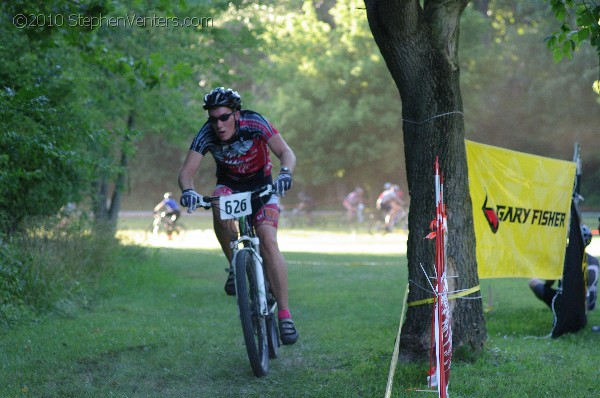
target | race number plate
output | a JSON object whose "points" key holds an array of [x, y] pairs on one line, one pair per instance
{"points": [[235, 205]]}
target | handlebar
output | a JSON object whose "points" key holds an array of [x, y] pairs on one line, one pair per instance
{"points": [[259, 192]]}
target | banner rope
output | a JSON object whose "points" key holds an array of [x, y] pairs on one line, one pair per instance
{"points": [[457, 294], [388, 390]]}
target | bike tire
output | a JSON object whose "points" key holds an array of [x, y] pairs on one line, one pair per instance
{"points": [[179, 229], [273, 337], [272, 326], [377, 227], [254, 325]]}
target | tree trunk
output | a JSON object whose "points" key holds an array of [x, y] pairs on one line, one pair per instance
{"points": [[115, 203], [106, 214], [420, 48]]}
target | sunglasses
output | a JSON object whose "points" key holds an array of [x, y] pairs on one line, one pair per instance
{"points": [[224, 117]]}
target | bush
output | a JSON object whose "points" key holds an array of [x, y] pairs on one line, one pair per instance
{"points": [[12, 285], [50, 267]]}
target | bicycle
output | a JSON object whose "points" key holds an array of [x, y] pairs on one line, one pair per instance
{"points": [[377, 224], [256, 303], [166, 223]]}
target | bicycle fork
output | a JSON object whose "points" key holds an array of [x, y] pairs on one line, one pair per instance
{"points": [[253, 248]]}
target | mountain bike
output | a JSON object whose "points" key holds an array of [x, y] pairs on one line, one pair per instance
{"points": [[166, 223], [256, 303], [377, 225]]}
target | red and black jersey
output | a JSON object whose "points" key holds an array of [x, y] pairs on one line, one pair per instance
{"points": [[243, 162]]}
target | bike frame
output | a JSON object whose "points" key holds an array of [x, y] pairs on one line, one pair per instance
{"points": [[247, 240], [256, 303]]}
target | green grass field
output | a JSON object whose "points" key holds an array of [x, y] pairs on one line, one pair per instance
{"points": [[161, 326]]}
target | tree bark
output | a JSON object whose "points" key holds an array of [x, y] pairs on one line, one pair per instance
{"points": [[106, 214], [115, 203], [420, 48]]}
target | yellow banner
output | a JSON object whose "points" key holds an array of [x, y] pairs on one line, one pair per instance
{"points": [[521, 210]]}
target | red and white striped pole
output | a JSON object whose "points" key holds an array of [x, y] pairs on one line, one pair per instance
{"points": [[442, 325]]}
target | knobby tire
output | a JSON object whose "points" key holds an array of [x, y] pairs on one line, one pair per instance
{"points": [[273, 335], [254, 325]]}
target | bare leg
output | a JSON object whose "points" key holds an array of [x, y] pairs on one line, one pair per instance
{"points": [[224, 230], [277, 274]]}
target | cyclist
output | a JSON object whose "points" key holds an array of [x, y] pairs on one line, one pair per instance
{"points": [[390, 201], [545, 292], [239, 141], [172, 212], [354, 204]]}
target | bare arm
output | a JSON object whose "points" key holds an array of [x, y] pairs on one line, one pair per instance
{"points": [[158, 206], [283, 152], [188, 170]]}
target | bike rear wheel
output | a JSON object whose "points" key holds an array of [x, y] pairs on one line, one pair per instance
{"points": [[377, 227], [254, 324], [272, 327]]}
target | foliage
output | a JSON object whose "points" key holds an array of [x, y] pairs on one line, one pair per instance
{"points": [[231, 48], [81, 82], [78, 88], [50, 268], [340, 101], [12, 286], [580, 23], [44, 163], [77, 93], [502, 59], [69, 93]]}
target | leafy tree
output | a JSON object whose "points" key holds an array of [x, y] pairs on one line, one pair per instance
{"points": [[43, 161], [515, 96], [420, 46], [256, 48], [78, 93], [219, 54], [127, 68], [340, 108], [580, 23]]}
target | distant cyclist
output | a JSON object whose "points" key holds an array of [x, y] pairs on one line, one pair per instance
{"points": [[169, 205], [390, 201], [171, 210], [241, 142], [354, 204]]}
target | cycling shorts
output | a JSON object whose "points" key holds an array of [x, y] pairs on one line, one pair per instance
{"points": [[263, 213], [386, 207]]}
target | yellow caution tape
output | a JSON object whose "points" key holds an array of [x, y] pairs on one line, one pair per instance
{"points": [[450, 297]]}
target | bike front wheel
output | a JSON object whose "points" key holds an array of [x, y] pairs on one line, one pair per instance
{"points": [[254, 323]]}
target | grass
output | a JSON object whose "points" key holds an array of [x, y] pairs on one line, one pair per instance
{"points": [[162, 327], [44, 267]]}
